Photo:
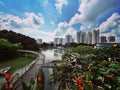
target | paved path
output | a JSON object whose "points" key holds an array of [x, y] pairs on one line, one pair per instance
{"points": [[31, 73], [49, 65]]}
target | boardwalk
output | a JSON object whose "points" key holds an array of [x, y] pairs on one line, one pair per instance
{"points": [[49, 65], [31, 73]]}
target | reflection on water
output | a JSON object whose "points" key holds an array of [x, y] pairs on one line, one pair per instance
{"points": [[50, 55]]}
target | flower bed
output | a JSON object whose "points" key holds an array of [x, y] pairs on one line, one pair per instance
{"points": [[87, 68]]}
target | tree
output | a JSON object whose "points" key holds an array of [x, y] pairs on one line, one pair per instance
{"points": [[27, 43], [8, 50]]}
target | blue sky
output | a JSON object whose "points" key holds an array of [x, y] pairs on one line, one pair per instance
{"points": [[46, 19]]}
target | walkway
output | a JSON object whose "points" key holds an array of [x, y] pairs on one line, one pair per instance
{"points": [[31, 73], [49, 65]]}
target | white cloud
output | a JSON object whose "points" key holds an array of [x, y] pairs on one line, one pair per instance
{"points": [[59, 5], [30, 25], [31, 20], [70, 31], [92, 10], [111, 26], [64, 29], [57, 32], [63, 25]]}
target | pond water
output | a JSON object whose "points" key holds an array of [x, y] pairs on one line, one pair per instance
{"points": [[50, 55]]}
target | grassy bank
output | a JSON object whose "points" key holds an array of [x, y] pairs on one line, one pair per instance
{"points": [[18, 62]]}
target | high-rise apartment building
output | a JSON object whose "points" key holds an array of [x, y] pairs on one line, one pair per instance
{"points": [[79, 37], [61, 41], [103, 39], [111, 39], [84, 39], [95, 36], [89, 38], [56, 41], [68, 39]]}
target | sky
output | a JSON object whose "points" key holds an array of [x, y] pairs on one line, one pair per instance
{"points": [[47, 19]]}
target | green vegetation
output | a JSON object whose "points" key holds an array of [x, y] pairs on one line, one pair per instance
{"points": [[26, 42], [58, 61], [18, 62], [7, 50], [37, 84], [40, 85], [87, 68]]}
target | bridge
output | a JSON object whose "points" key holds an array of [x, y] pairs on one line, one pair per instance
{"points": [[35, 67], [49, 65], [27, 51]]}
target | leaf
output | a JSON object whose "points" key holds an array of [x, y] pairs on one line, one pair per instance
{"points": [[108, 86], [25, 87]]}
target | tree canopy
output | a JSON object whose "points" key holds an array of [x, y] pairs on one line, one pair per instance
{"points": [[27, 43], [8, 50]]}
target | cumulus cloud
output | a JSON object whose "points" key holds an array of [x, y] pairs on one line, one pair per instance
{"points": [[63, 29], [31, 20], [111, 26], [30, 25], [57, 32], [59, 4], [70, 31], [63, 25], [90, 10]]}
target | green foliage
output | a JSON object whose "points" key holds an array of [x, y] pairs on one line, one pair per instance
{"points": [[26, 42], [98, 68], [8, 50], [33, 84], [18, 62]]}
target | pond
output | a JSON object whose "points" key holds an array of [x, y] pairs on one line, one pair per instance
{"points": [[50, 55]]}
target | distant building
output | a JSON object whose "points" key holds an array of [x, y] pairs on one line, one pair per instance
{"points": [[103, 39], [95, 36], [56, 41], [102, 45], [79, 37], [68, 39], [62, 41], [73, 40], [84, 37], [89, 38], [39, 41], [111, 39]]}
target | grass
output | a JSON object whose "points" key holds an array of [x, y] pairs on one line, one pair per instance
{"points": [[58, 61], [18, 62]]}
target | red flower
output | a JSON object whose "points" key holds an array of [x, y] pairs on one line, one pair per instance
{"points": [[39, 79], [89, 83], [6, 86], [7, 76], [110, 76], [79, 82]]}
